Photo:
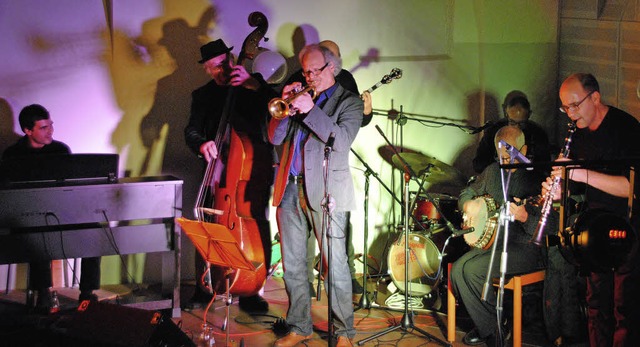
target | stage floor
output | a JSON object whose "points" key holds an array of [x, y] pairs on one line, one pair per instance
{"points": [[20, 328]]}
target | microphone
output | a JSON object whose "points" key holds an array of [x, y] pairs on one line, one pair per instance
{"points": [[458, 232], [328, 147], [479, 129], [514, 152], [331, 140]]}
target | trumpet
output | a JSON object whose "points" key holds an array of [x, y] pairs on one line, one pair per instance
{"points": [[280, 108]]}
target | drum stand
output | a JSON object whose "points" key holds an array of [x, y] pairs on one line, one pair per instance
{"points": [[406, 322]]}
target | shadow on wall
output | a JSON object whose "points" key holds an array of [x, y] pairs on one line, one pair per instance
{"points": [[481, 107], [7, 124], [151, 130]]}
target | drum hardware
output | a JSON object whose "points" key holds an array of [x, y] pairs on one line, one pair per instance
{"points": [[406, 323]]}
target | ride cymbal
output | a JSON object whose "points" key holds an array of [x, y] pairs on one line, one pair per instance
{"points": [[433, 169]]}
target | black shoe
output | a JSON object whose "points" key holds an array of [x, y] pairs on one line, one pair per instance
{"points": [[45, 304], [473, 338], [253, 304], [87, 295], [356, 287]]}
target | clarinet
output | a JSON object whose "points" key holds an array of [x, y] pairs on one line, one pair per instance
{"points": [[548, 198]]}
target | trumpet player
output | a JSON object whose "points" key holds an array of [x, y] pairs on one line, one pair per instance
{"points": [[604, 132], [333, 118]]}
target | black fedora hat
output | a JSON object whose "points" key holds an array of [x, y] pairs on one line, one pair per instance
{"points": [[213, 49]]}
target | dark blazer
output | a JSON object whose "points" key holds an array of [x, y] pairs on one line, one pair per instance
{"points": [[342, 115]]}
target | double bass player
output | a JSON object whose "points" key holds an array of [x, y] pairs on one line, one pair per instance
{"points": [[247, 116]]}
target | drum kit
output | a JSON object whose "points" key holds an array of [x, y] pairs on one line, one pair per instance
{"points": [[428, 232]]}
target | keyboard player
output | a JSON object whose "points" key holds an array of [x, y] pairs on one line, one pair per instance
{"points": [[38, 141]]}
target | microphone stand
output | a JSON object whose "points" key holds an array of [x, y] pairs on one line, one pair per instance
{"points": [[406, 322], [504, 219], [326, 235]]}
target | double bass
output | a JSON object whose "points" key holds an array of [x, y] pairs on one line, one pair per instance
{"points": [[227, 186]]}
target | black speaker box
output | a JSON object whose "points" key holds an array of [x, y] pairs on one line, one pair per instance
{"points": [[109, 325]]}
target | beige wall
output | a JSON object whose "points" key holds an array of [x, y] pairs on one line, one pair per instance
{"points": [[459, 59]]}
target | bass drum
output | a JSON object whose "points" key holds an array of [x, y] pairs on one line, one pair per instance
{"points": [[599, 241], [424, 262]]}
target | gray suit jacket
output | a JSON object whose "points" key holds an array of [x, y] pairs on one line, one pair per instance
{"points": [[342, 115]]}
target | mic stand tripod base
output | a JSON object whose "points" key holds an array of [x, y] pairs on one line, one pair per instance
{"points": [[407, 322]]}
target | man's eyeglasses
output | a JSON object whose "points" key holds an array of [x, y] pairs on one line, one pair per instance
{"points": [[574, 107], [315, 72]]}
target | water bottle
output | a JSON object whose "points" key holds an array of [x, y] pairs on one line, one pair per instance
{"points": [[55, 302]]}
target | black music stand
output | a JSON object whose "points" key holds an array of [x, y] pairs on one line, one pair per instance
{"points": [[218, 247]]}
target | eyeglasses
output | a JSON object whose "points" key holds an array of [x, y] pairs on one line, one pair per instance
{"points": [[315, 72], [574, 107]]}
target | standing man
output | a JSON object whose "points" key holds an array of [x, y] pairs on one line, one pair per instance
{"points": [[247, 115], [299, 190], [469, 272], [604, 133], [38, 141], [346, 80]]}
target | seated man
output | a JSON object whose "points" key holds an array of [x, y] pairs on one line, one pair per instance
{"points": [[38, 141], [469, 272]]}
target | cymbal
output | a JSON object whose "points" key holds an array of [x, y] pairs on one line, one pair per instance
{"points": [[433, 169], [387, 152]]}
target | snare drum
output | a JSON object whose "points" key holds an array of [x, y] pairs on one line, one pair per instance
{"points": [[427, 214], [424, 262]]}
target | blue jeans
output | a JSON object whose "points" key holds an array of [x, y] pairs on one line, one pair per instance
{"points": [[296, 221]]}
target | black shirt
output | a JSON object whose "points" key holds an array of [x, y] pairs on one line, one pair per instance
{"points": [[617, 137], [22, 149]]}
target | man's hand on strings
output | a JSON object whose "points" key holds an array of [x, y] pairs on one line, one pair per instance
{"points": [[209, 150], [240, 77]]}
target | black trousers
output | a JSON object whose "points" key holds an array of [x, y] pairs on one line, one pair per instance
{"points": [[469, 272]]}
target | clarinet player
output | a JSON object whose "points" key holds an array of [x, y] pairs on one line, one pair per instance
{"points": [[603, 133]]}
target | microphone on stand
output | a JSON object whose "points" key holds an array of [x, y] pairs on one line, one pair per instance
{"points": [[328, 147], [458, 232], [331, 140], [515, 153], [479, 129]]}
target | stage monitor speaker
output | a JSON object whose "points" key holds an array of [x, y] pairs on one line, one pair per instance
{"points": [[109, 325]]}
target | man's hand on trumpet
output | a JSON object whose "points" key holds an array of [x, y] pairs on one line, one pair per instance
{"points": [[301, 104]]}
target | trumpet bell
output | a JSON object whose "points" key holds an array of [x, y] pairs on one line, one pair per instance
{"points": [[278, 108]]}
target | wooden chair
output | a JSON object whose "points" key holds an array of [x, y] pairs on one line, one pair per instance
{"points": [[515, 283]]}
